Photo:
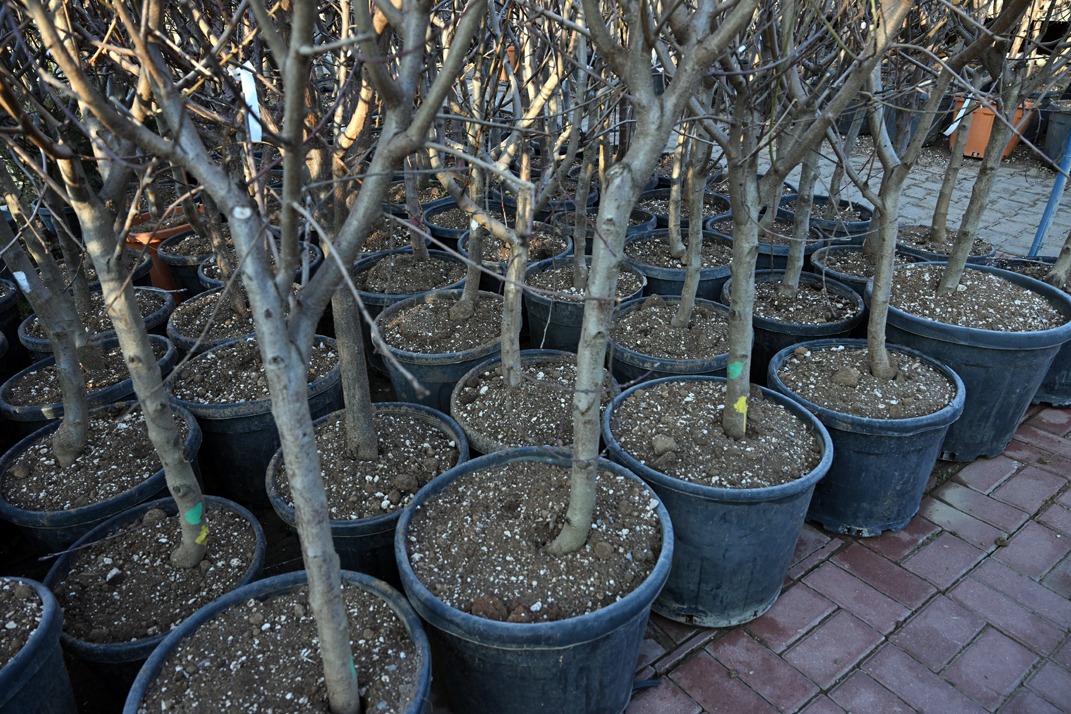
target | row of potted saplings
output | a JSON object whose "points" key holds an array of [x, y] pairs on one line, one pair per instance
{"points": [[866, 474]]}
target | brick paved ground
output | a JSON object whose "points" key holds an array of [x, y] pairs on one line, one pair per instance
{"points": [[968, 609]]}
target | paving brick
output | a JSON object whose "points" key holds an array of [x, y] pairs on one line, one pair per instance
{"points": [[1007, 615], [1023, 701], [1062, 656], [1054, 421], [1065, 498], [995, 513], [860, 693], [1034, 550], [879, 611], [650, 650], [665, 698], [991, 668], [1030, 488], [821, 705], [676, 631], [960, 524], [896, 545], [915, 684], [1053, 606], [684, 650], [708, 682], [1052, 683], [772, 677], [796, 612], [938, 632], [944, 560], [813, 548], [884, 575], [1058, 517], [1059, 578], [1044, 440], [834, 648], [1030, 454], [986, 474]]}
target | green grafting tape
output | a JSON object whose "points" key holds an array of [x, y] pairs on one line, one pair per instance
{"points": [[353, 668], [734, 369], [193, 516]]}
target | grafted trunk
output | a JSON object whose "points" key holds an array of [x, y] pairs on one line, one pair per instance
{"points": [[801, 229], [361, 437]]}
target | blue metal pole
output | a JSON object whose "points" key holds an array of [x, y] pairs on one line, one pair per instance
{"points": [[1054, 198]]}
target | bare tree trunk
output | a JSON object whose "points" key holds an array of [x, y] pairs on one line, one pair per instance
{"points": [[801, 229], [514, 285], [673, 235], [881, 366], [361, 437], [580, 223], [1058, 274], [697, 188], [939, 225], [837, 179], [416, 217]]}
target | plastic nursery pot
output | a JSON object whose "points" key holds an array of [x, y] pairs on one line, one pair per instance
{"points": [[437, 373], [155, 322], [157, 664], [491, 278], [16, 357], [375, 303], [582, 665], [771, 336], [857, 283], [831, 228], [1055, 388], [713, 203], [639, 221], [773, 256], [183, 267], [444, 236], [630, 366], [150, 241], [928, 256], [122, 660], [26, 419], [55, 530], [367, 544], [480, 442], [553, 323], [36, 680], [734, 546], [189, 344], [1001, 370], [670, 281], [880, 466], [206, 269], [240, 438]]}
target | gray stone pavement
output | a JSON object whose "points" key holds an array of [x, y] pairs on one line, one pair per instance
{"points": [[1023, 186]]}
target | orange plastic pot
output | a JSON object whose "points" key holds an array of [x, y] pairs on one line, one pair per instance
{"points": [[982, 118], [150, 240]]}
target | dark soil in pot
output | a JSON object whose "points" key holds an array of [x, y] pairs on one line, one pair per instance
{"points": [[983, 301], [151, 302], [850, 265], [404, 274], [386, 234], [675, 427], [268, 641], [309, 256], [537, 412], [411, 453], [558, 282], [656, 202], [133, 262], [641, 251], [839, 379], [20, 614], [916, 240], [124, 588], [545, 242], [208, 320], [428, 327], [118, 457], [501, 570], [396, 194]]}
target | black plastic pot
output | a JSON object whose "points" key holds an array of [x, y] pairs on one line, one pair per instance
{"points": [[437, 373], [155, 322], [55, 530], [640, 221], [188, 344], [183, 267], [850, 230], [630, 366], [880, 466], [771, 336], [122, 660], [662, 219], [928, 256], [581, 665], [367, 544], [157, 663], [773, 256], [1055, 389], [375, 303], [316, 259], [28, 419], [492, 278], [1001, 370], [554, 324], [445, 237], [734, 546], [16, 357], [241, 438], [36, 680], [668, 282]]}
